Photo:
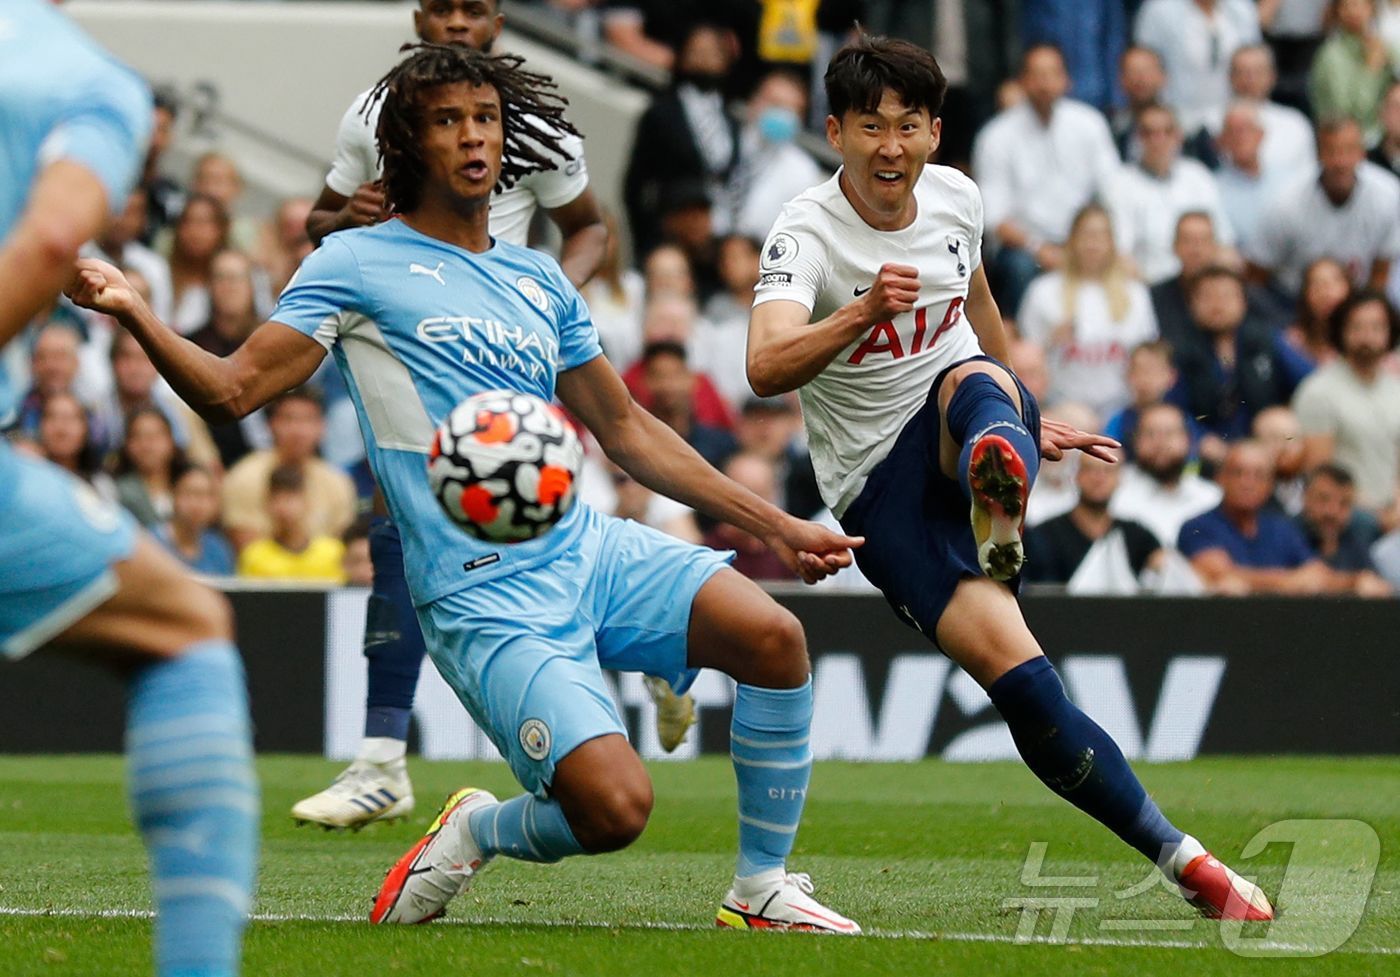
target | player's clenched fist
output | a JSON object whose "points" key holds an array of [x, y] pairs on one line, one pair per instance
{"points": [[895, 290], [365, 207], [100, 286]]}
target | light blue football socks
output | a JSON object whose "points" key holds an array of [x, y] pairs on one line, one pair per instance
{"points": [[526, 828], [770, 744]]}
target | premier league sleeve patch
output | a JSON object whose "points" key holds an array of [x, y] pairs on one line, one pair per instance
{"points": [[780, 250], [535, 739]]}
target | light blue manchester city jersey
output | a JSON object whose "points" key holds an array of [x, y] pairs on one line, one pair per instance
{"points": [[63, 98], [416, 325]]}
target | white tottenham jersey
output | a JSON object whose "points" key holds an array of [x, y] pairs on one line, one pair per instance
{"points": [[357, 162], [821, 254]]}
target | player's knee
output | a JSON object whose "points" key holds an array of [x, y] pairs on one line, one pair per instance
{"points": [[616, 818], [780, 658]]}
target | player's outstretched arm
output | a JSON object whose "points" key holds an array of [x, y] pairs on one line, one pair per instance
{"points": [[274, 359], [66, 209], [787, 350], [659, 458], [985, 318]]}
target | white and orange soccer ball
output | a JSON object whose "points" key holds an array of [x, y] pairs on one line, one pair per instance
{"points": [[504, 466]]}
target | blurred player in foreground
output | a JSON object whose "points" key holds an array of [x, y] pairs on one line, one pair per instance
{"points": [[75, 572], [376, 785], [911, 423], [426, 309]]}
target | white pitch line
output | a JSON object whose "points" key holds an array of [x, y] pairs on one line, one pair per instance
{"points": [[1130, 942]]}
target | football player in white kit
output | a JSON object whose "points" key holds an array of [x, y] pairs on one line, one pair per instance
{"points": [[874, 305], [376, 785]]}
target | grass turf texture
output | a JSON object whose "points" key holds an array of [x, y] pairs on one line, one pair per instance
{"points": [[928, 848]]}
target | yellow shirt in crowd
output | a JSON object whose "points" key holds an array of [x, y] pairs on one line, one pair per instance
{"points": [[321, 562]]}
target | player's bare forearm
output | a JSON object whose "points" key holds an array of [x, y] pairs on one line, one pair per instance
{"points": [[785, 352], [66, 208], [985, 317], [585, 237], [204, 381]]}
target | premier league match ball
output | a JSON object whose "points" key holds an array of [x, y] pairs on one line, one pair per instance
{"points": [[504, 466]]}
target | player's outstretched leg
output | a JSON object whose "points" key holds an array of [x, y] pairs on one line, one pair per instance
{"points": [[375, 787], [993, 455], [737, 628], [983, 631], [191, 781]]}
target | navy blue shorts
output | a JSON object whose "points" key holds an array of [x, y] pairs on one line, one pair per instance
{"points": [[916, 521]]}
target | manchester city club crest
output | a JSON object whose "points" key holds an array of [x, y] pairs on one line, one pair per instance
{"points": [[781, 249], [533, 292], [534, 738]]}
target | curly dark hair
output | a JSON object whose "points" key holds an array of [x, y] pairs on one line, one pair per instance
{"points": [[1341, 316], [532, 115]]}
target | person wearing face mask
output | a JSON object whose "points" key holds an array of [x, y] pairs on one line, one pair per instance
{"points": [[686, 136], [772, 168]]}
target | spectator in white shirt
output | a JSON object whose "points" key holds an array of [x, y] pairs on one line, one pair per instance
{"points": [[1196, 39], [1157, 490], [1037, 163], [772, 168], [1289, 147], [1088, 315], [1147, 198], [1246, 186], [1348, 212]]}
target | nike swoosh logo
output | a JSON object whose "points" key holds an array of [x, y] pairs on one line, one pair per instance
{"points": [[861, 291], [743, 906]]}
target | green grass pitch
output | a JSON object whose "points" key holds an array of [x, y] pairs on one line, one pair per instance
{"points": [[925, 856]]}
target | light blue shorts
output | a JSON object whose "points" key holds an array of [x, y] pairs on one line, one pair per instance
{"points": [[58, 541], [525, 652]]}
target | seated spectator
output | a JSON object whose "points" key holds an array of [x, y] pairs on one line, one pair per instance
{"points": [[1278, 430], [53, 370], [64, 437], [1157, 490], [685, 135], [1146, 198], [136, 384], [722, 334], [751, 557], [1151, 380], [616, 297], [1288, 147], [217, 176], [1142, 79], [1347, 213], [201, 232], [233, 313], [771, 427], [283, 243], [1235, 365], [1352, 68], [1037, 163], [772, 168], [633, 500], [1088, 315], [193, 533], [120, 243], [1350, 407], [1028, 362], [1325, 287], [291, 550], [671, 319], [359, 567], [672, 387], [296, 421], [1246, 187], [690, 216], [1197, 40], [1386, 152], [667, 271], [1336, 530], [1195, 246], [1057, 548], [147, 465], [1240, 547], [165, 197]]}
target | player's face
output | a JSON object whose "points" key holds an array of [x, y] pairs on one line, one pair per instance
{"points": [[463, 136], [470, 23], [884, 152]]}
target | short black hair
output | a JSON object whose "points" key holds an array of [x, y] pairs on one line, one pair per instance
{"points": [[1337, 325], [861, 71], [306, 394], [286, 478], [1030, 51], [1333, 473], [1210, 273], [663, 347], [532, 115]]}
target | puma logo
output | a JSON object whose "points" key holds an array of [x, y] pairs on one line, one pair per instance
{"points": [[434, 273]]}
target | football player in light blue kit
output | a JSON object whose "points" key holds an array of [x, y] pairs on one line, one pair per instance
{"points": [[75, 571], [425, 310]]}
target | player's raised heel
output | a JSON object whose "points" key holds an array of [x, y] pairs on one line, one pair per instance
{"points": [[675, 714], [1214, 889], [438, 868], [363, 792], [779, 900], [1000, 485]]}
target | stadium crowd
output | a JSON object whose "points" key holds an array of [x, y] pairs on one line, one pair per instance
{"points": [[1192, 220]]}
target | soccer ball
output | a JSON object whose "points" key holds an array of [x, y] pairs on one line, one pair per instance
{"points": [[504, 466]]}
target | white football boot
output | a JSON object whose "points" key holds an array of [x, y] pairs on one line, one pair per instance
{"points": [[364, 792], [780, 900], [675, 714], [438, 868]]}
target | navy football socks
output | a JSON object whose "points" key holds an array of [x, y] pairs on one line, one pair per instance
{"points": [[981, 406]]}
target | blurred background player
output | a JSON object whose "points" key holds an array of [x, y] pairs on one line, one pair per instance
{"points": [[911, 420], [376, 784], [521, 632], [75, 572]]}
